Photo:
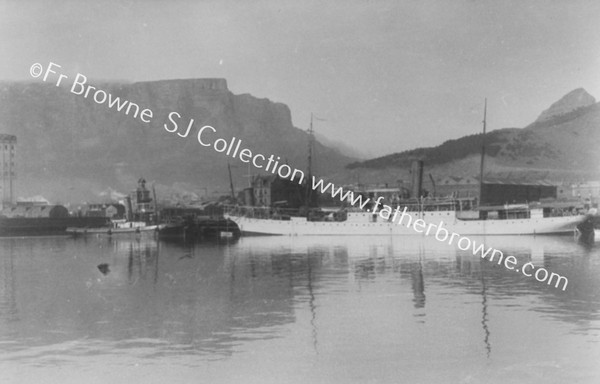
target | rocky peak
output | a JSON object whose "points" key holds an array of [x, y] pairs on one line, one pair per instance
{"points": [[573, 100]]}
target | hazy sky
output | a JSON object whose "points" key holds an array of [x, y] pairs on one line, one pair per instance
{"points": [[386, 75]]}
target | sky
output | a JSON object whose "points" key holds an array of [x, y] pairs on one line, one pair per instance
{"points": [[382, 76]]}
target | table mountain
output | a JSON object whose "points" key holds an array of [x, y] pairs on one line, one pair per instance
{"points": [[72, 148]]}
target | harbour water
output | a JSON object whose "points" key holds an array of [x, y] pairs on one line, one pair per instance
{"points": [[295, 310]]}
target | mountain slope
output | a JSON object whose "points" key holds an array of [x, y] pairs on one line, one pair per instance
{"points": [[71, 148], [564, 139]]}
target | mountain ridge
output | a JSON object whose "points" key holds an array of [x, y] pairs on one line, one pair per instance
{"points": [[70, 148], [565, 140]]}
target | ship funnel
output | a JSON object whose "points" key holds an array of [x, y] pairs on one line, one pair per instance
{"points": [[417, 178]]}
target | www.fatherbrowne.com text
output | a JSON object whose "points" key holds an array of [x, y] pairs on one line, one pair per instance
{"points": [[402, 217], [207, 137]]}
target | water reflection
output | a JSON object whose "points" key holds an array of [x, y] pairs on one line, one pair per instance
{"points": [[8, 300], [186, 300], [484, 318], [346, 297], [424, 261], [561, 255], [418, 284]]}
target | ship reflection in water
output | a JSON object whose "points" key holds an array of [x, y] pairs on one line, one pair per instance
{"points": [[303, 309]]}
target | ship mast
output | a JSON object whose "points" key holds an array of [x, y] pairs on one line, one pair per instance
{"points": [[231, 182], [481, 166], [155, 205], [308, 180]]}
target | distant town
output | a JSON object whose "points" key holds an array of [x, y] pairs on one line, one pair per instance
{"points": [[142, 204]]}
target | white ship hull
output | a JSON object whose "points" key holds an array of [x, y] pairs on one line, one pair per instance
{"points": [[368, 224]]}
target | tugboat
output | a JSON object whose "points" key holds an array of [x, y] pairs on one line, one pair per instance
{"points": [[141, 220], [118, 227]]}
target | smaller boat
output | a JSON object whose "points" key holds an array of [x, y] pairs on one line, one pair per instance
{"points": [[176, 229], [118, 227], [585, 231]]}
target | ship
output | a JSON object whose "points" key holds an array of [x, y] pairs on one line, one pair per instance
{"points": [[26, 219], [421, 216], [505, 220]]}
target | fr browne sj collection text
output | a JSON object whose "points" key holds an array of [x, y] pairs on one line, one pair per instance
{"points": [[231, 147]]}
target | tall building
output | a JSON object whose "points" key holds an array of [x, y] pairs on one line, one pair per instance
{"points": [[270, 190], [8, 145]]}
